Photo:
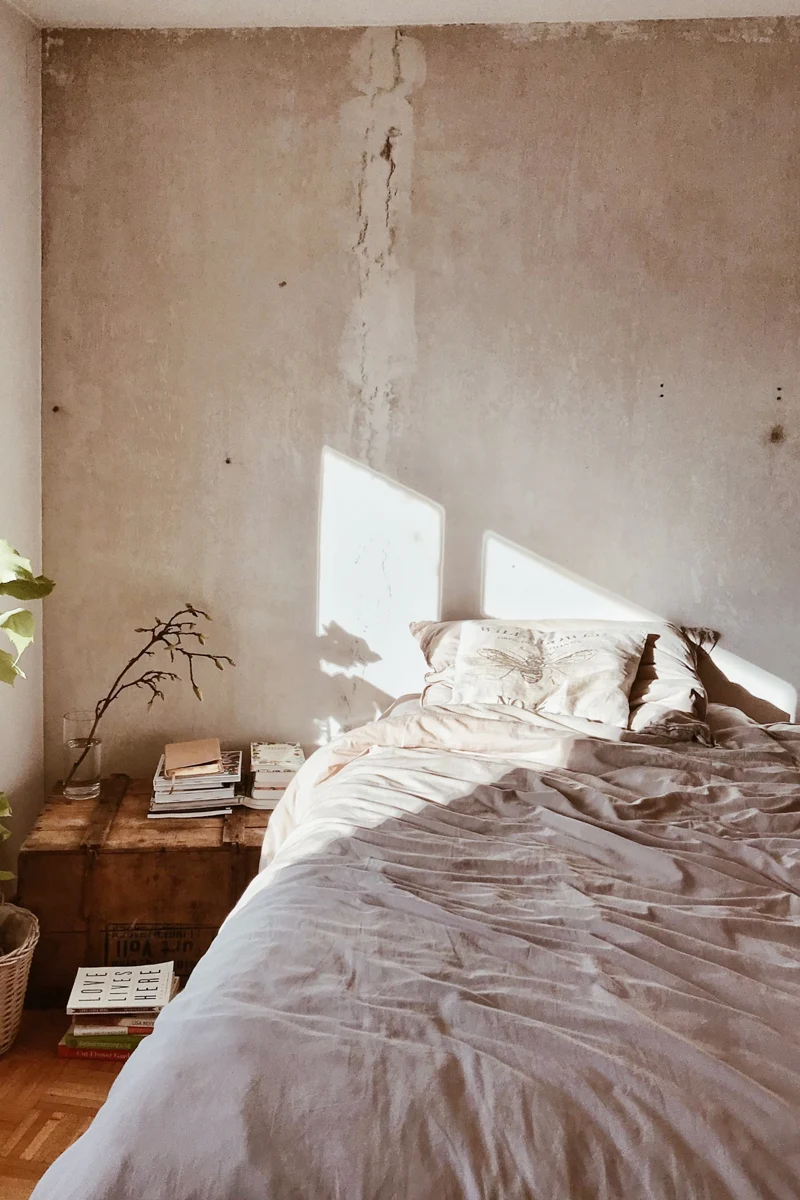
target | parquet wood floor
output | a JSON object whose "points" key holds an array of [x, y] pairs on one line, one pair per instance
{"points": [[45, 1101]]}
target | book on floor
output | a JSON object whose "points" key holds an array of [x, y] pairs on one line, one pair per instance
{"points": [[122, 1041], [111, 1024], [65, 1051], [111, 1034], [121, 989]]}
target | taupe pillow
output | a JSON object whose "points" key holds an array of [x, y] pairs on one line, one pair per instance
{"points": [[581, 673], [667, 698]]}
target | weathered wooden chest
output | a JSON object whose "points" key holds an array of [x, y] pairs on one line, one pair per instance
{"points": [[111, 887]]}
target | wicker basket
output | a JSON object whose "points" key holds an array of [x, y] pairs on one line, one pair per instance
{"points": [[19, 933]]}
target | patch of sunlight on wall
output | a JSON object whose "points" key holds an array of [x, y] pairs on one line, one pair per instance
{"points": [[757, 682], [380, 566], [518, 583]]}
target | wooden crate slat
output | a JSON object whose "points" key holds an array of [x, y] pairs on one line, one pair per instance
{"points": [[108, 885], [105, 811], [132, 831]]}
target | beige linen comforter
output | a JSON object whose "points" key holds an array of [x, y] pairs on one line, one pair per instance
{"points": [[489, 955]]}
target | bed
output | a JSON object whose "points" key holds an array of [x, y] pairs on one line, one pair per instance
{"points": [[491, 953]]}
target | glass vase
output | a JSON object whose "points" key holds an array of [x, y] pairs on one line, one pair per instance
{"points": [[82, 757]]}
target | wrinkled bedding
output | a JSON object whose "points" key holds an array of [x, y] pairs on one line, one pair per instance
{"points": [[489, 955]]}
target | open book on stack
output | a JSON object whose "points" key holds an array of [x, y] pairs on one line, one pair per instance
{"points": [[274, 766], [113, 1009], [196, 779]]}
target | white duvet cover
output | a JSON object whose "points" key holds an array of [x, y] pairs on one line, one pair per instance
{"points": [[489, 955]]}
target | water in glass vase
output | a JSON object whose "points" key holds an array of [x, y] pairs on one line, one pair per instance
{"points": [[82, 757]]}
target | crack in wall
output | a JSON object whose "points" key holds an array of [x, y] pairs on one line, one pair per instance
{"points": [[387, 154], [379, 347]]}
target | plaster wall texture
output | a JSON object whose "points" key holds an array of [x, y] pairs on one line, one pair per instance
{"points": [[425, 291], [20, 396], [227, 14]]}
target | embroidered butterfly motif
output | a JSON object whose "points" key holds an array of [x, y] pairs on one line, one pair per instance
{"points": [[534, 662]]}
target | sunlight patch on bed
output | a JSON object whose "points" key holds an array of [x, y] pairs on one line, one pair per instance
{"points": [[516, 583], [380, 562]]}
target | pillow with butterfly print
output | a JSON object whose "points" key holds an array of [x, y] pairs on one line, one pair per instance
{"points": [[586, 673]]}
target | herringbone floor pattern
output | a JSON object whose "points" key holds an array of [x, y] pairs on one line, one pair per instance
{"points": [[45, 1101]]}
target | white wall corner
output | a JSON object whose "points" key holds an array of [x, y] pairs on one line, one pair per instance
{"points": [[21, 708]]}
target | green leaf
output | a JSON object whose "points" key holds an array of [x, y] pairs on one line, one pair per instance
{"points": [[12, 564], [9, 669], [19, 625], [5, 807], [27, 589], [17, 578]]}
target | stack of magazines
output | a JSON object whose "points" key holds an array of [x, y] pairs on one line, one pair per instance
{"points": [[274, 766], [113, 1009], [208, 795]]}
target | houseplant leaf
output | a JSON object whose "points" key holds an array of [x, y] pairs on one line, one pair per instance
{"points": [[9, 669], [17, 578], [19, 625], [12, 564], [27, 589]]}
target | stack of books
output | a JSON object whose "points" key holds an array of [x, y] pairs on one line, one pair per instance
{"points": [[196, 779], [274, 766], [113, 1009]]}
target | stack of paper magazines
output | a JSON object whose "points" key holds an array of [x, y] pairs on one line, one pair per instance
{"points": [[113, 1009], [274, 766], [210, 795]]}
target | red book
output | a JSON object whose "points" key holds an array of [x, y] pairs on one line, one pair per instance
{"points": [[107, 1055]]}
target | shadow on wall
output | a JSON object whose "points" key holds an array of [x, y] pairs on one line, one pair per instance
{"points": [[518, 583], [380, 565], [346, 696], [379, 568]]}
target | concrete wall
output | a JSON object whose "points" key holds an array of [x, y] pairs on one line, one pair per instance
{"points": [[332, 315], [20, 428]]}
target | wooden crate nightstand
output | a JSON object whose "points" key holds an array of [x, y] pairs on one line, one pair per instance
{"points": [[110, 887]]}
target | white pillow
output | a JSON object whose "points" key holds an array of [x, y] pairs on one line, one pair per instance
{"points": [[582, 673], [667, 698]]}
